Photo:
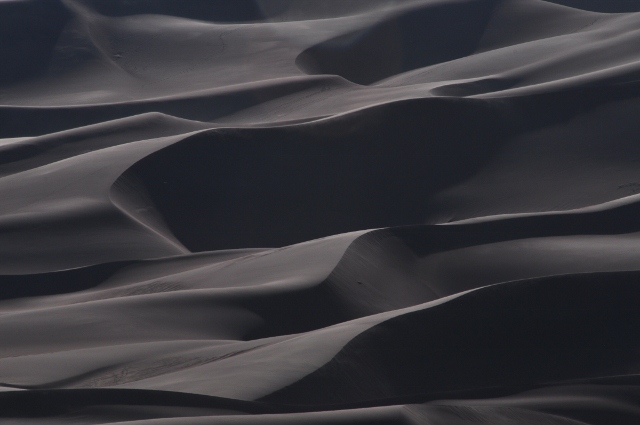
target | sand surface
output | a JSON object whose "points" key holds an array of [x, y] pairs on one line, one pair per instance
{"points": [[320, 212]]}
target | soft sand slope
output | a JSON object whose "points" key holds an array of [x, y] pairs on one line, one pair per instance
{"points": [[320, 212]]}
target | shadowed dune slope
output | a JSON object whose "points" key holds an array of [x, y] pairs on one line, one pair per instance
{"points": [[396, 164], [514, 334], [319, 212], [549, 406], [28, 32], [413, 39], [373, 168]]}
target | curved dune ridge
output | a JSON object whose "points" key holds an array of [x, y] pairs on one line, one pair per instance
{"points": [[320, 212]]}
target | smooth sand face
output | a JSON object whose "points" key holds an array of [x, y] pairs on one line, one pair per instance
{"points": [[319, 211]]}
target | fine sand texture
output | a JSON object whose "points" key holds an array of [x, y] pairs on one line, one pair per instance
{"points": [[324, 212]]}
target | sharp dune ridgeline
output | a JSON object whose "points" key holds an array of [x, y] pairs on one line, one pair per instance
{"points": [[253, 212]]}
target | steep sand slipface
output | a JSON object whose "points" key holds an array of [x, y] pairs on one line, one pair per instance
{"points": [[319, 212]]}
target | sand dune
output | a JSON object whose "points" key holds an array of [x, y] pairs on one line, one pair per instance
{"points": [[319, 212]]}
